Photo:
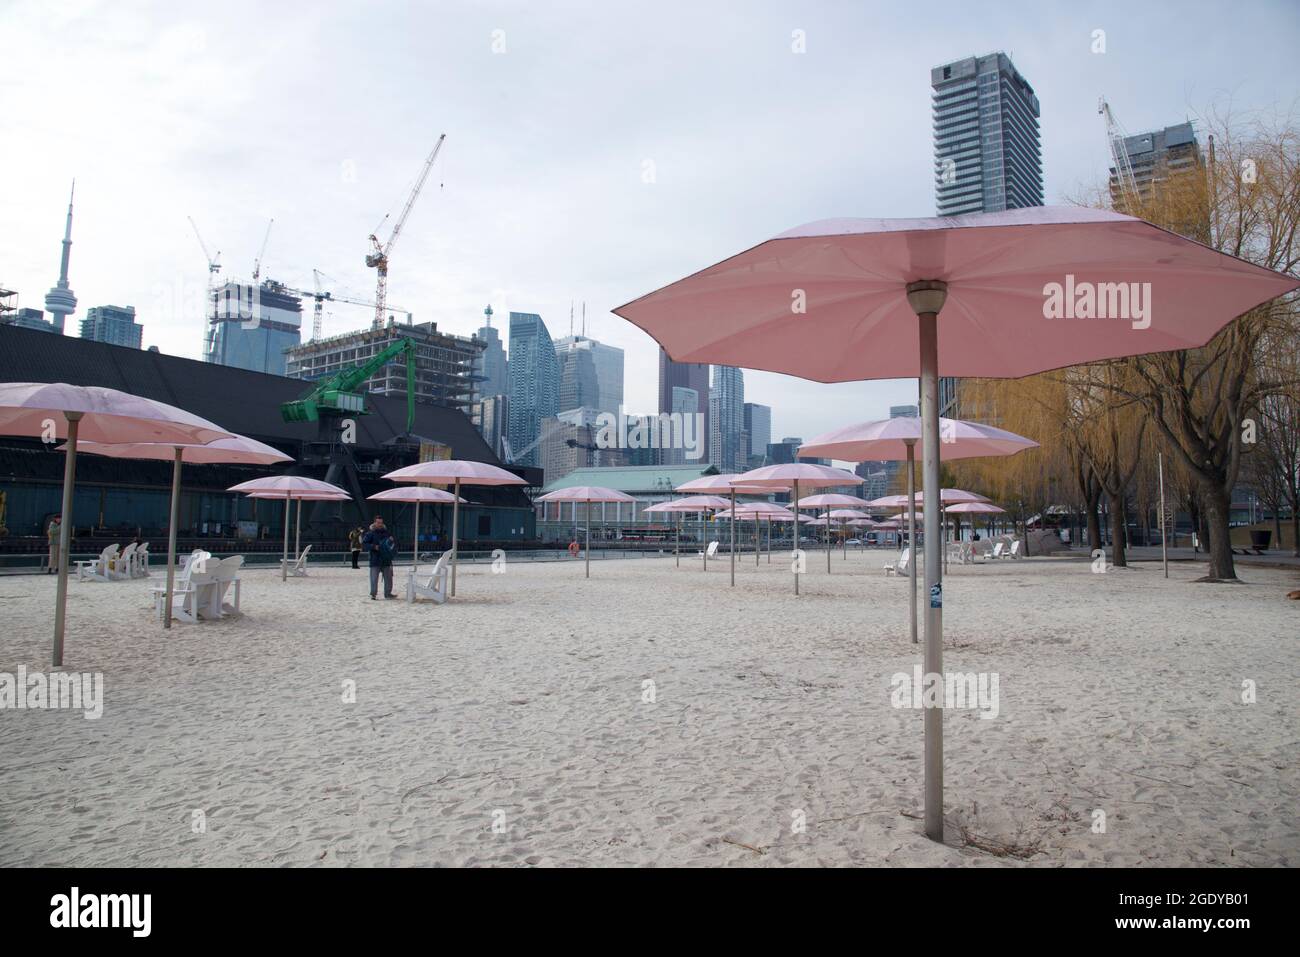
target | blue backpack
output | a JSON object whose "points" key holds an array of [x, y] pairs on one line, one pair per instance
{"points": [[388, 548]]}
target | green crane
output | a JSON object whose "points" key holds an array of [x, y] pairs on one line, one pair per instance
{"points": [[338, 395]]}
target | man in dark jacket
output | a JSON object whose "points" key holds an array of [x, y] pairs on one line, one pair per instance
{"points": [[381, 545]]}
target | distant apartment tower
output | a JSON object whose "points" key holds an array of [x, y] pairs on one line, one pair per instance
{"points": [[13, 315], [684, 402], [495, 367], [729, 443], [489, 416], [115, 325], [607, 361], [685, 375], [785, 451], [534, 385], [578, 386], [758, 423], [250, 327], [987, 156], [1157, 157], [570, 441]]}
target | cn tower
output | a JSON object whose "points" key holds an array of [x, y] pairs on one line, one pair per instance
{"points": [[60, 301]]}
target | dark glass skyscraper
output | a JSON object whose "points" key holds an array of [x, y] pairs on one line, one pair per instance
{"points": [[534, 385], [685, 375]]}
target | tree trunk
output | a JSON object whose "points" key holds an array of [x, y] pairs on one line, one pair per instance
{"points": [[1295, 532], [1216, 508], [1094, 528], [1119, 555]]}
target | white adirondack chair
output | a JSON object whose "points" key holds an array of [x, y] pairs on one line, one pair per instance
{"points": [[227, 583], [999, 550], [299, 568], [100, 569], [899, 565], [1015, 549], [184, 589], [141, 569], [121, 567], [712, 550], [434, 587]]}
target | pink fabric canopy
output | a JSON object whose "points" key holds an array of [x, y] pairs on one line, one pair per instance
{"points": [[948, 496], [237, 450], [586, 493], [301, 496], [805, 473], [415, 493], [692, 503], [831, 500], [29, 408], [288, 486], [449, 471], [1001, 270], [974, 508], [883, 440], [845, 513], [722, 483]]}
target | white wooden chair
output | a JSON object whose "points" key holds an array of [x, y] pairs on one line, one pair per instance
{"points": [[435, 586], [899, 565], [1015, 549], [141, 568], [299, 568], [184, 589], [712, 550], [226, 575], [99, 569], [999, 550], [121, 567]]}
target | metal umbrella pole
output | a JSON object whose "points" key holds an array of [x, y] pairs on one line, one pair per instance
{"points": [[677, 538], [455, 536], [171, 537], [588, 542], [796, 534], [828, 540], [65, 534], [284, 554], [297, 532], [927, 299], [911, 530], [732, 522]]}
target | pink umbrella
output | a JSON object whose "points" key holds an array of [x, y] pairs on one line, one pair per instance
{"points": [[417, 494], [455, 472], [895, 439], [238, 449], [56, 410], [947, 496], [792, 475], [975, 508], [756, 512], [725, 483], [828, 500], [288, 488], [695, 503], [1021, 291], [586, 494]]}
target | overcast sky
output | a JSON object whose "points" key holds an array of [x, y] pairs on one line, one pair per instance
{"points": [[320, 115]]}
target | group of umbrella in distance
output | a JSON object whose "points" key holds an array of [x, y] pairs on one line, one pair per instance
{"points": [[885, 294]]}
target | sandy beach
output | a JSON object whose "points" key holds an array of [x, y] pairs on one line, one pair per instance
{"points": [[512, 727]]}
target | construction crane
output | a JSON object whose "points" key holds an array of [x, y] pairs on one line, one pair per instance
{"points": [[337, 396], [1119, 156], [214, 267], [379, 253], [321, 296], [257, 263]]}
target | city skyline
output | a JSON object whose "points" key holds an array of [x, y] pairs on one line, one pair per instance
{"points": [[504, 218]]}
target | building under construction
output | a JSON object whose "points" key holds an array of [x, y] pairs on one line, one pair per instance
{"points": [[446, 368]]}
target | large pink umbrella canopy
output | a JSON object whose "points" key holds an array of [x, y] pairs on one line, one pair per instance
{"points": [[975, 508], [236, 450], [887, 440], [947, 496], [455, 472], [417, 495], [289, 488], [792, 475], [757, 511], [588, 494], [1012, 290], [831, 500], [55, 410], [692, 503]]}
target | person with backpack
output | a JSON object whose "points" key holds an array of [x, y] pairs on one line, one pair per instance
{"points": [[354, 545], [382, 546]]}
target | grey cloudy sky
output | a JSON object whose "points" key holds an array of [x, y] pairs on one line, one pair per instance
{"points": [[320, 114]]}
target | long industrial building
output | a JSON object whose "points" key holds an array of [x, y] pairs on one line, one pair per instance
{"points": [[117, 497]]}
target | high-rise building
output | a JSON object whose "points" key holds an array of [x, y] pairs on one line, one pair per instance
{"points": [[489, 416], [444, 364], [987, 156], [758, 423], [684, 402], [13, 315], [686, 375], [608, 363], [578, 386], [729, 442], [60, 301], [534, 385], [496, 367], [115, 325], [1157, 156], [250, 327], [570, 441], [785, 451]]}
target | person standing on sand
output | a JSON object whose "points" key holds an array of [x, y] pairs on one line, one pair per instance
{"points": [[354, 544], [382, 546], [53, 533]]}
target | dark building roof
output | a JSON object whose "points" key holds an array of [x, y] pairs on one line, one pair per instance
{"points": [[236, 399]]}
